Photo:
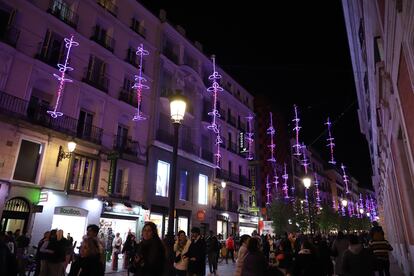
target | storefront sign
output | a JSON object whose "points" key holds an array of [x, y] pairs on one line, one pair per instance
{"points": [[44, 196], [201, 215], [71, 211], [112, 174], [121, 209], [248, 219]]}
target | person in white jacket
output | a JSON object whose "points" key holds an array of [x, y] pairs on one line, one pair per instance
{"points": [[244, 239], [180, 248]]}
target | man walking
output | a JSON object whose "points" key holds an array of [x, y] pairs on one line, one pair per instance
{"points": [[212, 252], [196, 254], [116, 249]]}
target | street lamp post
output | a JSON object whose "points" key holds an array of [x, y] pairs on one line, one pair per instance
{"points": [[307, 183], [177, 108]]}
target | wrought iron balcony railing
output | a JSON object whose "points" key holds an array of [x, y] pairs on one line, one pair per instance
{"points": [[125, 145], [60, 10]]}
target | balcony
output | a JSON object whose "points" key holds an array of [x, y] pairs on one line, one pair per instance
{"points": [[126, 145], [49, 56], [37, 114], [109, 6], [235, 178], [99, 81], [128, 97], [165, 137], [231, 120], [9, 35], [99, 36], [171, 55], [61, 11], [207, 155], [189, 147]]}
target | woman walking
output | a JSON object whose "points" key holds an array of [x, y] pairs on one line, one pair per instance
{"points": [[244, 240], [255, 263], [180, 249]]}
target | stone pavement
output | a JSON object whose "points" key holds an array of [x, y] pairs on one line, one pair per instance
{"points": [[223, 270]]}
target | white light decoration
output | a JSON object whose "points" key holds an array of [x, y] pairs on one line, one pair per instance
{"points": [[331, 143], [305, 160], [63, 68], [268, 195], [71, 146], [139, 84], [297, 128], [214, 89], [249, 138], [285, 188], [271, 131], [361, 202], [345, 177], [318, 198]]}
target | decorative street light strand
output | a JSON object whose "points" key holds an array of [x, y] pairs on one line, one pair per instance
{"points": [[285, 188], [271, 131], [268, 195], [139, 84], [345, 177], [297, 128], [249, 137], [305, 160], [318, 198], [214, 89], [69, 43], [331, 143]]}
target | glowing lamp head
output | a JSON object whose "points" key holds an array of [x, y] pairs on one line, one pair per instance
{"points": [[178, 105], [344, 202], [223, 184], [361, 211], [71, 146], [368, 214], [306, 182]]}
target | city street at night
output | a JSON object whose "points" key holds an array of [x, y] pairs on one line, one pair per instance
{"points": [[182, 138]]}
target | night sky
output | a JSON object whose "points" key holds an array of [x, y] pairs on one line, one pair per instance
{"points": [[295, 52]]}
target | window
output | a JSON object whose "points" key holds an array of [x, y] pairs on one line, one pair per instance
{"points": [[121, 137], [119, 181], [52, 48], [28, 161], [163, 178], [84, 128], [183, 185], [82, 174], [96, 74], [202, 189], [230, 199]]}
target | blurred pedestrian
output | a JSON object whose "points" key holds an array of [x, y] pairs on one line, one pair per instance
{"points": [[357, 260], [381, 248], [196, 254], [90, 262], [213, 249], [116, 249], [181, 247], [339, 246], [230, 248], [8, 263], [242, 253], [254, 263]]}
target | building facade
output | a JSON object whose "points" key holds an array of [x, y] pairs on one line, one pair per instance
{"points": [[118, 174], [380, 35]]}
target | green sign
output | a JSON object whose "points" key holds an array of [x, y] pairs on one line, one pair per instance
{"points": [[112, 174]]}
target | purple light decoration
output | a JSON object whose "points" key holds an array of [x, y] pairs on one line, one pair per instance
{"points": [[346, 180], [305, 161], [334, 204], [267, 191], [215, 88], [367, 205], [330, 144], [249, 138], [343, 210], [275, 181], [139, 83], [318, 198], [271, 131], [285, 188], [350, 212], [218, 142], [297, 128], [69, 43], [361, 204], [373, 209]]}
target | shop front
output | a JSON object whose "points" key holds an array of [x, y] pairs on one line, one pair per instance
{"points": [[222, 226], [159, 216], [121, 218], [248, 224], [70, 213]]}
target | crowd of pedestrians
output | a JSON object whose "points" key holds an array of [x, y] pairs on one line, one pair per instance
{"points": [[288, 254]]}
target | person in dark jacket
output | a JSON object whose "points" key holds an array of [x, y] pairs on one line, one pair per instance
{"points": [[90, 261], [357, 260], [150, 255], [128, 249], [196, 254], [306, 262], [40, 256], [8, 263], [213, 247], [255, 263]]}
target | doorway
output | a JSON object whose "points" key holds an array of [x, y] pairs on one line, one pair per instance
{"points": [[15, 215]]}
